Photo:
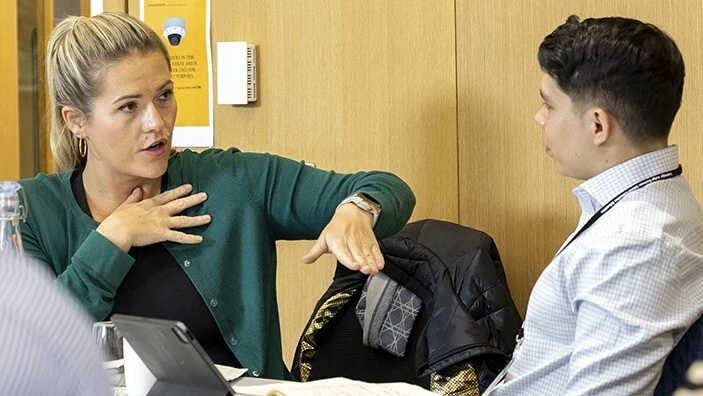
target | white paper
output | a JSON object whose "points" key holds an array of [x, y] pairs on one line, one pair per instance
{"points": [[335, 387], [230, 373], [137, 376]]}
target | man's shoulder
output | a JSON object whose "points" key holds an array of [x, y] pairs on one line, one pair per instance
{"points": [[667, 208], [47, 330]]}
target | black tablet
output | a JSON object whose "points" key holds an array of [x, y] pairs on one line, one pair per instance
{"points": [[181, 366]]}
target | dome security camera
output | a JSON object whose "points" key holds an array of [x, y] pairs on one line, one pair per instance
{"points": [[175, 30]]}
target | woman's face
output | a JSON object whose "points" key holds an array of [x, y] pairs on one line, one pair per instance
{"points": [[131, 124]]}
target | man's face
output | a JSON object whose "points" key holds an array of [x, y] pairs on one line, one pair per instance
{"points": [[567, 138]]}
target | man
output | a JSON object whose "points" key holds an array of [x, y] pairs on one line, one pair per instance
{"points": [[45, 337], [625, 286]]}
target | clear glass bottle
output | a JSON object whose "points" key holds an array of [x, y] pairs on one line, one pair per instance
{"points": [[13, 209]]}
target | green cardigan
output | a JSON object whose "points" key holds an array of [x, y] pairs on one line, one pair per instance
{"points": [[254, 200]]}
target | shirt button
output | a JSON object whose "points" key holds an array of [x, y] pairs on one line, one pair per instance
{"points": [[186, 263], [213, 302], [233, 341], [255, 373]]}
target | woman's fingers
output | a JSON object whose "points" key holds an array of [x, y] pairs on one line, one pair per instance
{"points": [[357, 252], [141, 222], [181, 204], [171, 195], [157, 219], [136, 196], [182, 237], [364, 256], [188, 221], [350, 237], [376, 251], [344, 256], [317, 250], [173, 201]]}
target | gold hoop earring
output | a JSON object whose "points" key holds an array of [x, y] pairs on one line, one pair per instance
{"points": [[82, 147]]}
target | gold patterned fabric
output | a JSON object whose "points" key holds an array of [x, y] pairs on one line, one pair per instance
{"points": [[457, 379], [308, 345]]}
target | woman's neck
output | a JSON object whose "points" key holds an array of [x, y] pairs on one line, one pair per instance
{"points": [[105, 192]]}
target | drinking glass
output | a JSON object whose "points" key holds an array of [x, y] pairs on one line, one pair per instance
{"points": [[109, 342]]}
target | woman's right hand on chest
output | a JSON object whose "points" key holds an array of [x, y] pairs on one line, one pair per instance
{"points": [[140, 222]]}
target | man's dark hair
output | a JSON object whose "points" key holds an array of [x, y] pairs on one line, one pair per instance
{"points": [[631, 69]]}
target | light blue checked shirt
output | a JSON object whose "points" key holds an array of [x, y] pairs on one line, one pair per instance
{"points": [[607, 311], [45, 342]]}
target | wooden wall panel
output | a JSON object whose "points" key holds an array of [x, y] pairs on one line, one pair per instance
{"points": [[45, 24], [508, 186], [349, 86], [117, 6], [9, 90]]}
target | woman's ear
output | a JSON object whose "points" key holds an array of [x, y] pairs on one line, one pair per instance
{"points": [[75, 120]]}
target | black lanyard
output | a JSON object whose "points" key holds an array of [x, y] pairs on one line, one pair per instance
{"points": [[662, 176], [609, 205], [520, 335]]}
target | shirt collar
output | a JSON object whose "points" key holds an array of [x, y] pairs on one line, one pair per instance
{"points": [[602, 188]]}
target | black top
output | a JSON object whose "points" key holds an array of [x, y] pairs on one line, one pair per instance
{"points": [[157, 287]]}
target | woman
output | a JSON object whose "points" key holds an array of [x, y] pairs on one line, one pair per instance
{"points": [[131, 227]]}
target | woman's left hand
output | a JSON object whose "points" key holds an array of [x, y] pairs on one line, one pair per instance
{"points": [[349, 237]]}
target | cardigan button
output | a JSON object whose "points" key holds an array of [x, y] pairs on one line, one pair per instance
{"points": [[255, 373], [213, 302], [233, 341], [186, 263]]}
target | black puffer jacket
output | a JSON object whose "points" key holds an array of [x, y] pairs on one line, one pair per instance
{"points": [[467, 315], [473, 315]]}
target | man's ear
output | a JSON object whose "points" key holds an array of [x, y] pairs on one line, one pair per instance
{"points": [[74, 119], [603, 125]]}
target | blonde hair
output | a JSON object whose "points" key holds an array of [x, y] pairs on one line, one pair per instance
{"points": [[78, 52]]}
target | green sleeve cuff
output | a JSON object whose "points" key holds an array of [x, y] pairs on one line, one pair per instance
{"points": [[395, 210], [102, 258]]}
